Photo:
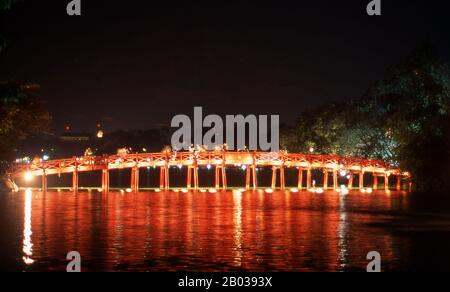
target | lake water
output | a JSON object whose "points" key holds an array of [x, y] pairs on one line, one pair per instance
{"points": [[225, 231]]}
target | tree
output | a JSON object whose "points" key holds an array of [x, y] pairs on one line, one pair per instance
{"points": [[22, 114], [412, 105], [404, 120], [323, 129], [4, 5]]}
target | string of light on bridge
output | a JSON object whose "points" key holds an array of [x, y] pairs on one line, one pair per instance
{"points": [[219, 160]]}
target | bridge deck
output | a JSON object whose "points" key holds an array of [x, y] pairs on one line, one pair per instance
{"points": [[192, 160]]}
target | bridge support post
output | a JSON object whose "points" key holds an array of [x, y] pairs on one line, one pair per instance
{"points": [[399, 182], [350, 181], [375, 181], [361, 180], [224, 178], [135, 179], [162, 178], [105, 180], [247, 178], [166, 178], [189, 177], [75, 176], [75, 181], [386, 182], [255, 180], [250, 177], [300, 178], [44, 181], [325, 179], [282, 178], [216, 177], [192, 173], [195, 169], [335, 179], [274, 177], [308, 178]]}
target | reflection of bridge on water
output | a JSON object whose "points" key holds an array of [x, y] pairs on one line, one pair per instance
{"points": [[305, 163]]}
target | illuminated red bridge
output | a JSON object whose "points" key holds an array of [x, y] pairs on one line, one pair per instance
{"points": [[219, 160]]}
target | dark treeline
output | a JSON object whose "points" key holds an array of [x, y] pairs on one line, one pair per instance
{"points": [[23, 115], [152, 140], [403, 119]]}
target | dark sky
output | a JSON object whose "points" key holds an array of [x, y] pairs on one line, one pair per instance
{"points": [[135, 64]]}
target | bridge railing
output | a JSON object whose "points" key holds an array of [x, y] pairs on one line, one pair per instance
{"points": [[89, 163]]}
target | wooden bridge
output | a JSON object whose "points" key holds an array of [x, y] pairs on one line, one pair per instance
{"points": [[220, 160]]}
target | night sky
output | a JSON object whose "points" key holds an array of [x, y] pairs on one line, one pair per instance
{"points": [[135, 64]]}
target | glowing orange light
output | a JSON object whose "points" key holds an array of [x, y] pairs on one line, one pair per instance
{"points": [[28, 176]]}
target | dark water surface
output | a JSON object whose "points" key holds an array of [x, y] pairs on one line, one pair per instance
{"points": [[229, 231]]}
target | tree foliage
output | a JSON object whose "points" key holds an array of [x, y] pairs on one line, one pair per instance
{"points": [[22, 114], [413, 103], [404, 119], [6, 4]]}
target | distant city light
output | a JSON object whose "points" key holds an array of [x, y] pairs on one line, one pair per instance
{"points": [[100, 134], [23, 160], [343, 173], [45, 157], [311, 150]]}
